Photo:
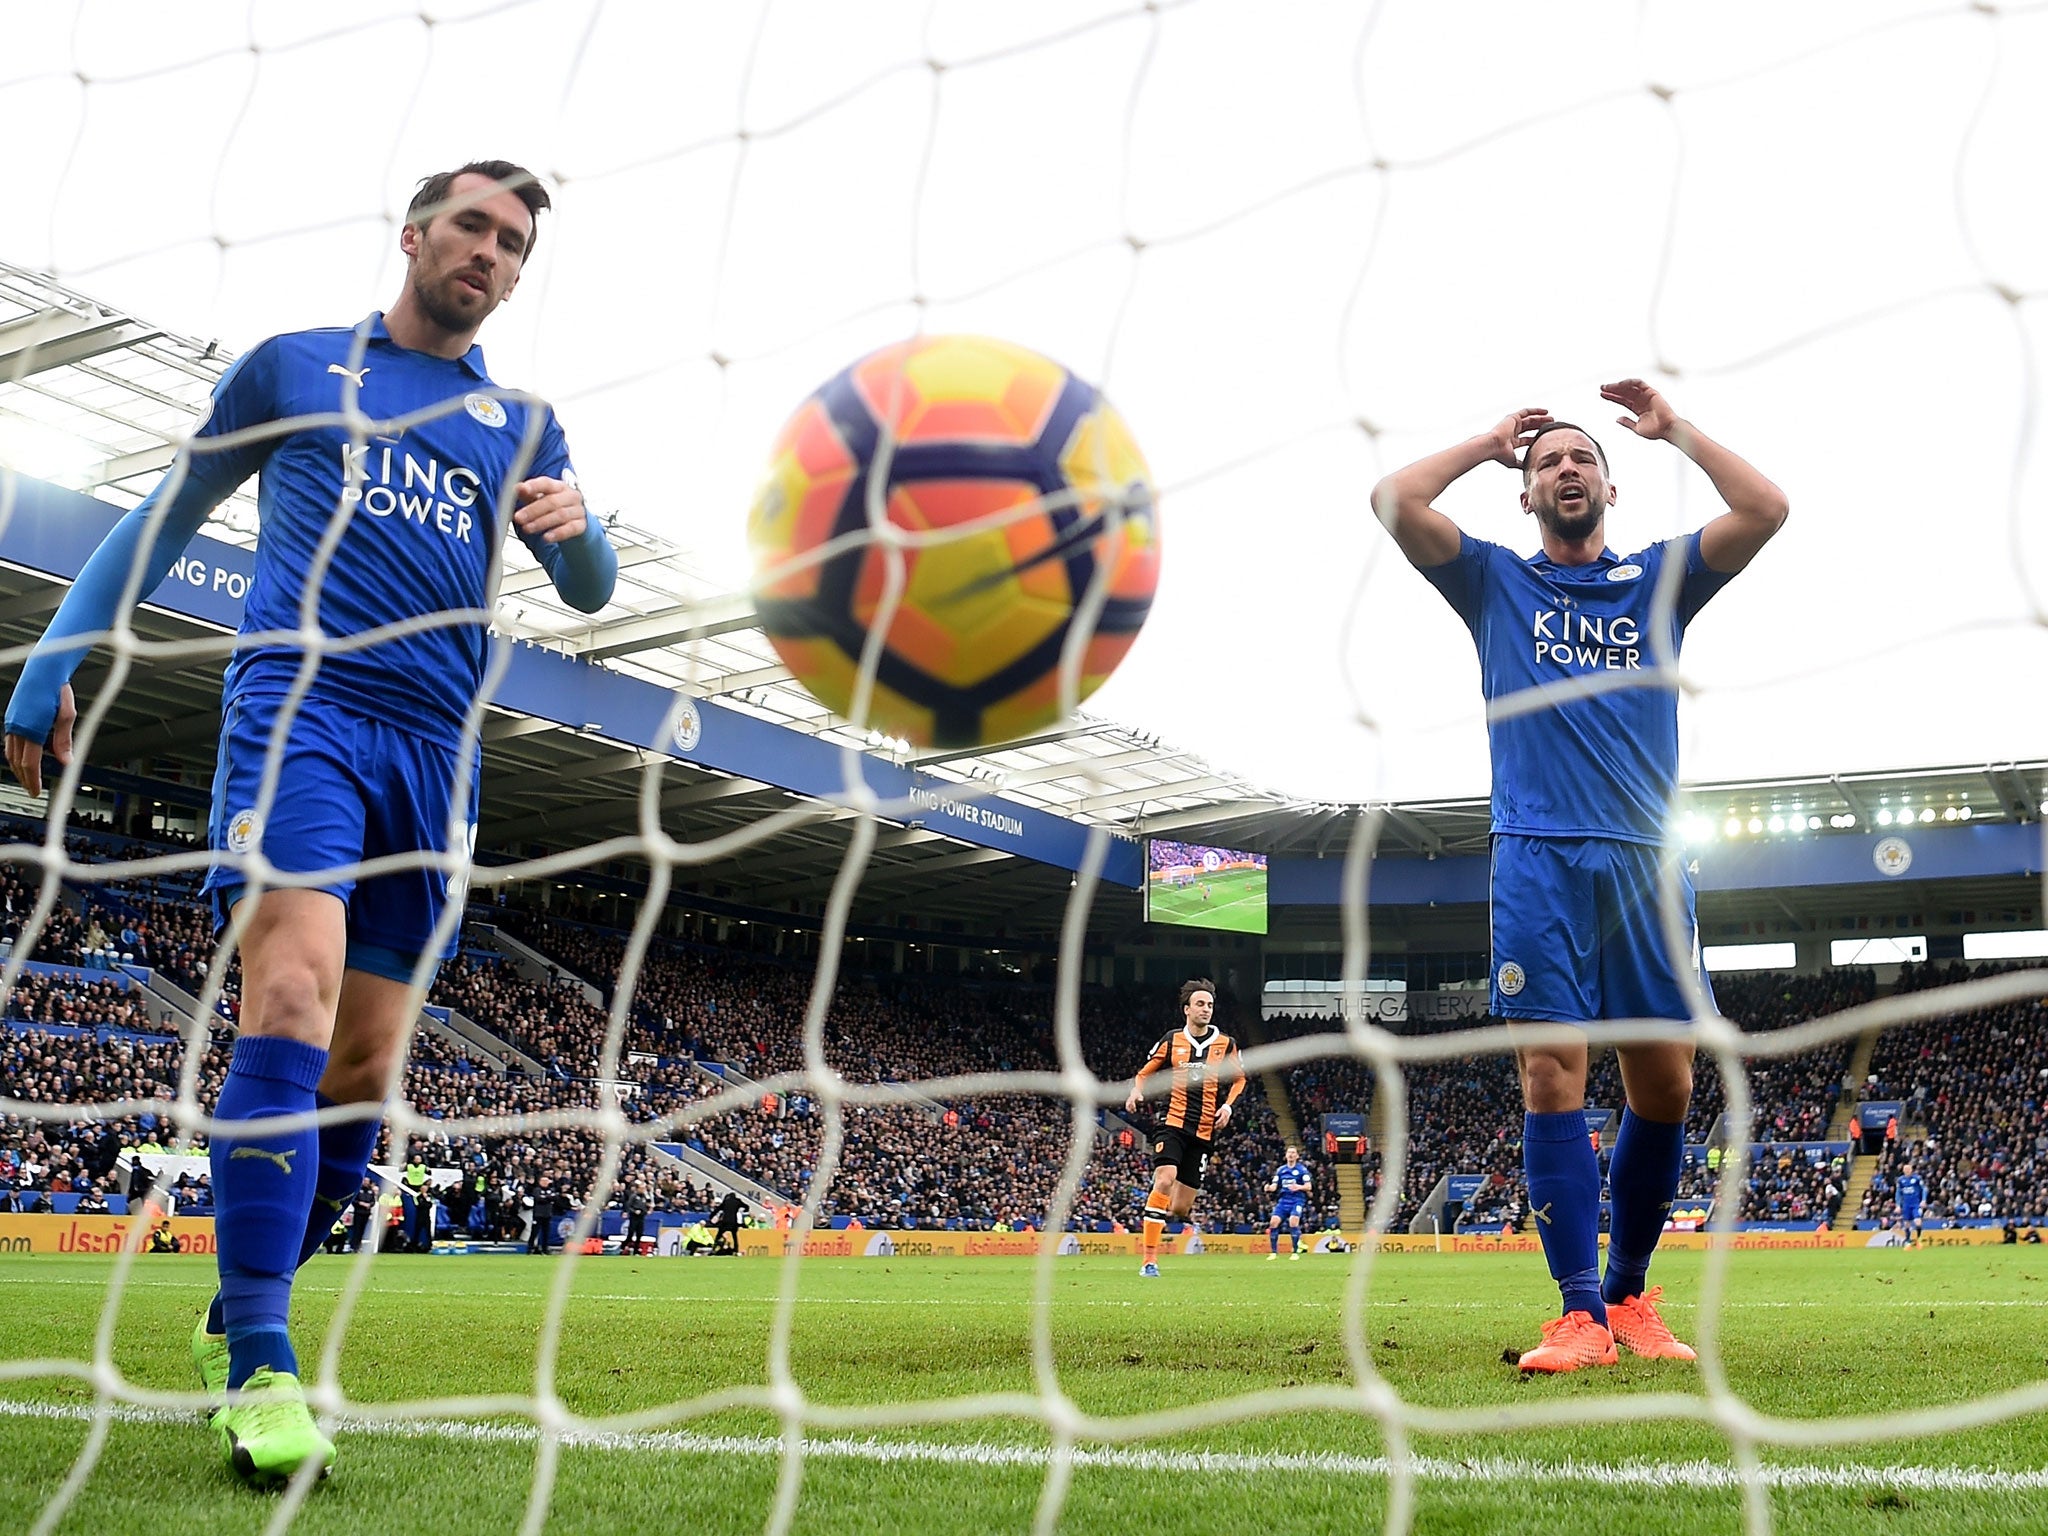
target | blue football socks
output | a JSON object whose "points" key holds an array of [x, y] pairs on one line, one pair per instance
{"points": [[345, 1148], [1564, 1199], [262, 1190], [1642, 1177]]}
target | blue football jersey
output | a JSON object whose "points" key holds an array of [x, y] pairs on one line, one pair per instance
{"points": [[1601, 765], [1294, 1173], [425, 493], [1912, 1193]]}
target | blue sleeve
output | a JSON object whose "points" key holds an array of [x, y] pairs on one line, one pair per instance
{"points": [[1701, 582], [585, 569], [1462, 578], [153, 535]]}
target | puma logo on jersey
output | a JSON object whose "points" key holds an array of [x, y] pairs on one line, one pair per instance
{"points": [[355, 374], [282, 1159]]}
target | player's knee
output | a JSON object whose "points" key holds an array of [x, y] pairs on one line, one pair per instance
{"points": [[359, 1076], [1552, 1084], [290, 999]]}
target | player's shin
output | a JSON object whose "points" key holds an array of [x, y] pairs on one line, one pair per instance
{"points": [[1156, 1214], [345, 1148], [1643, 1176], [1564, 1200], [262, 1189]]}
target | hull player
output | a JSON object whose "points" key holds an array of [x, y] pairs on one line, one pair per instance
{"points": [[1582, 795], [1206, 1077], [371, 762]]}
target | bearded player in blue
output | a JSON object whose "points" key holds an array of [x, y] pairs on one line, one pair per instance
{"points": [[372, 760], [1583, 791]]}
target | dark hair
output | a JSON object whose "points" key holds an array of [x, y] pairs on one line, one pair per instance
{"points": [[432, 193], [1529, 454], [1189, 988]]}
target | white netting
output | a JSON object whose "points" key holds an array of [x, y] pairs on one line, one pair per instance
{"points": [[1372, 203]]}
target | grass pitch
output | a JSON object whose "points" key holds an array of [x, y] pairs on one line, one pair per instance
{"points": [[1236, 902], [1806, 1336]]}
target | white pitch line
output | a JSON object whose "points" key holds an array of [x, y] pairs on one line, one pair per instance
{"points": [[1689, 1476]]}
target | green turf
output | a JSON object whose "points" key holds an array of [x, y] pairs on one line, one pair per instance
{"points": [[1236, 902], [1807, 1335]]}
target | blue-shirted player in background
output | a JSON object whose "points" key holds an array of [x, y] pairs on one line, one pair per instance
{"points": [[1911, 1193], [1582, 793], [373, 758], [1291, 1183]]}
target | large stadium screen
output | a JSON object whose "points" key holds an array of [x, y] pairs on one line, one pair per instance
{"points": [[1197, 886]]}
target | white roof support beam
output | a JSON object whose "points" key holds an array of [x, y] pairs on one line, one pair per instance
{"points": [[673, 626], [57, 337], [1415, 831], [144, 461], [1044, 738], [1078, 768], [1203, 816], [1146, 792], [733, 682]]}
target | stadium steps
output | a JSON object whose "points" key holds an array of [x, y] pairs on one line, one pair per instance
{"points": [[1853, 1075], [761, 1198], [482, 1043], [1861, 1171], [538, 967], [1351, 1202], [1275, 1086]]}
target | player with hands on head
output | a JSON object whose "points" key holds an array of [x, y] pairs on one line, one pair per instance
{"points": [[373, 759], [1206, 1077], [1583, 794]]}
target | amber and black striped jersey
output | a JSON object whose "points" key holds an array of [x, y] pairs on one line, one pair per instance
{"points": [[1207, 1073]]}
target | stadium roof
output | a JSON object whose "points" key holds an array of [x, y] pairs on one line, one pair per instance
{"points": [[98, 401]]}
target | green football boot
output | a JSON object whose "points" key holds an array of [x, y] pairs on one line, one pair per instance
{"points": [[266, 1440]]}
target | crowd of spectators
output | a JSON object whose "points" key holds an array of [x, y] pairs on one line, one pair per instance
{"points": [[1974, 1121], [968, 1158]]}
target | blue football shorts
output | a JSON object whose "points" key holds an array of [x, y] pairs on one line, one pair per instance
{"points": [[1288, 1210], [349, 788], [1577, 935]]}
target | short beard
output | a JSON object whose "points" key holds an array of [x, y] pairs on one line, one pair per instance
{"points": [[1573, 528], [442, 312]]}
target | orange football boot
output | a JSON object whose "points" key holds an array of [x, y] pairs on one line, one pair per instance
{"points": [[1571, 1343], [1638, 1327]]}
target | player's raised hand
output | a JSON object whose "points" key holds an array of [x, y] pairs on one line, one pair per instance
{"points": [[1516, 431], [25, 757], [1653, 417], [551, 508]]}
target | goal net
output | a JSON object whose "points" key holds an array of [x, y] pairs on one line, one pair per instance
{"points": [[1298, 248]]}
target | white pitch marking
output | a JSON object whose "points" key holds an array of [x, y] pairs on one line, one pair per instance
{"points": [[1686, 1475]]}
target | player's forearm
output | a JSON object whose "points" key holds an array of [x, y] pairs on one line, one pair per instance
{"points": [[1403, 500], [585, 569], [1747, 492], [145, 536]]}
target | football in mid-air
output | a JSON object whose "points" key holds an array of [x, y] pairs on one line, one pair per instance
{"points": [[1015, 488]]}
